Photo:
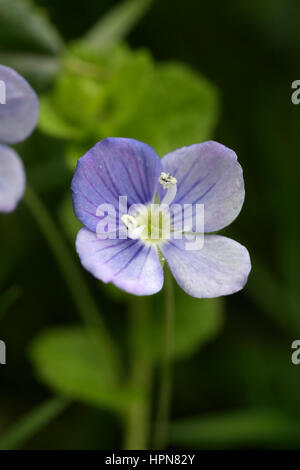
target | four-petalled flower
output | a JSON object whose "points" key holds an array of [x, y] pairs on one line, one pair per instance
{"points": [[206, 173]]}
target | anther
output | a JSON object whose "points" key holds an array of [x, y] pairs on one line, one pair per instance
{"points": [[129, 221], [166, 180]]}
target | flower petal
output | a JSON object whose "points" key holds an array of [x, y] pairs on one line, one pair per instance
{"points": [[208, 174], [12, 179], [221, 267], [129, 264], [19, 114], [114, 167]]}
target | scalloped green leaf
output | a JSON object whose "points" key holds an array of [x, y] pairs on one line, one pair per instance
{"points": [[197, 321], [77, 364], [179, 108]]}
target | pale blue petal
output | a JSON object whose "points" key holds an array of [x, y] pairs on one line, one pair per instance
{"points": [[220, 267], [207, 174], [129, 264]]}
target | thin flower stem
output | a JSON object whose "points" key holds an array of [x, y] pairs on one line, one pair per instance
{"points": [[32, 423], [41, 416], [137, 419], [165, 387], [87, 308]]}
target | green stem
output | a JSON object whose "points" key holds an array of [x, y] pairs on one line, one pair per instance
{"points": [[75, 281], [165, 387], [32, 423], [38, 418], [138, 415]]}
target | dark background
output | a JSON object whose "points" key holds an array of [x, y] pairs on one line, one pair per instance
{"points": [[250, 50]]}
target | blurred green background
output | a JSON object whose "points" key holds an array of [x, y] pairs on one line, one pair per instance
{"points": [[169, 73]]}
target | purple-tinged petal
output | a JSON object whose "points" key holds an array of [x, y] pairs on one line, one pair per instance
{"points": [[207, 174], [19, 113], [220, 267], [12, 179], [114, 167], [129, 264]]}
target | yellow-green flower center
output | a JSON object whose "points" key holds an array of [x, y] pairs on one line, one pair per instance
{"points": [[152, 225]]}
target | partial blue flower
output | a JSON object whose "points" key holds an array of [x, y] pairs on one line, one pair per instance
{"points": [[18, 117], [12, 179], [206, 173]]}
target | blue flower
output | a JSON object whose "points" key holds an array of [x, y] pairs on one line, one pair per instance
{"points": [[207, 174], [19, 110]]}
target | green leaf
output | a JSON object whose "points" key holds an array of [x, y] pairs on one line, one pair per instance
{"points": [[52, 122], [197, 321], [80, 100], [76, 363], [180, 108], [235, 429], [126, 90], [95, 94], [116, 24], [124, 94], [24, 27]]}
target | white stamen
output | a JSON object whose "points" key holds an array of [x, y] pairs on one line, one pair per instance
{"points": [[137, 232], [129, 221], [166, 180], [169, 183]]}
